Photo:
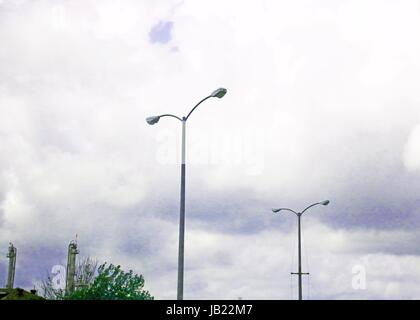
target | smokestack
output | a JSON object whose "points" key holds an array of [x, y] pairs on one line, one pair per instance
{"points": [[12, 266], [71, 267]]}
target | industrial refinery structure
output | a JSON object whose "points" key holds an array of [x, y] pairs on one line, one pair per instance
{"points": [[10, 292]]}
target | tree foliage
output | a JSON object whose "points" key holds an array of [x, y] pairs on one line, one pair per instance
{"points": [[86, 270], [112, 283]]}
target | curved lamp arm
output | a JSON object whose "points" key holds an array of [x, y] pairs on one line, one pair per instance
{"points": [[170, 115], [284, 209], [192, 110], [324, 203], [218, 93]]}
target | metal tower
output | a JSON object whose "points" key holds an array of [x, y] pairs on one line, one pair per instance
{"points": [[71, 267], [12, 266]]}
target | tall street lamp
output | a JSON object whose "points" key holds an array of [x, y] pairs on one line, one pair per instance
{"points": [[299, 214], [219, 93]]}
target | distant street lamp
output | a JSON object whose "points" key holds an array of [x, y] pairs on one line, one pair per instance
{"points": [[219, 93], [299, 214]]}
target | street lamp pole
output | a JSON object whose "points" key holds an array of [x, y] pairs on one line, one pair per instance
{"points": [[299, 214], [300, 260], [219, 93], [180, 291]]}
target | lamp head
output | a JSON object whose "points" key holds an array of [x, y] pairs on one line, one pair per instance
{"points": [[219, 93], [152, 120], [325, 203], [276, 210]]}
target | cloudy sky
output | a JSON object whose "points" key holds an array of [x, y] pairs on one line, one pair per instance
{"points": [[322, 103]]}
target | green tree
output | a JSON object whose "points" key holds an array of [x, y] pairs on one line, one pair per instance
{"points": [[112, 283]]}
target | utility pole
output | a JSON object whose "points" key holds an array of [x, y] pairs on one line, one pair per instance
{"points": [[299, 214], [12, 266], [71, 267]]}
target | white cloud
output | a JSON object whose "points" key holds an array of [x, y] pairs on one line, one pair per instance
{"points": [[412, 150]]}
